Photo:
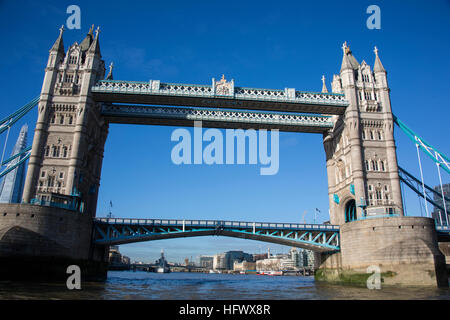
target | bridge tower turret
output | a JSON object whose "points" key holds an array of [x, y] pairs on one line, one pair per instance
{"points": [[66, 159], [360, 149]]}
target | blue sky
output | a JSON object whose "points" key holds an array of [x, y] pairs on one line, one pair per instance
{"points": [[258, 44]]}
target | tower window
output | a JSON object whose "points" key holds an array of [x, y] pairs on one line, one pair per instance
{"points": [[61, 119], [374, 165], [69, 78], [50, 181], [73, 59], [379, 195]]}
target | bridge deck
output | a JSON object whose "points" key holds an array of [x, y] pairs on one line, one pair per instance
{"points": [[156, 93], [322, 238]]}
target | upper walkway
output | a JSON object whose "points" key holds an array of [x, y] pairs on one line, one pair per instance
{"points": [[219, 94]]}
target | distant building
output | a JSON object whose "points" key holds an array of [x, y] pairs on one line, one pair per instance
{"points": [[259, 256], [225, 261], [11, 188], [294, 260], [439, 214], [116, 260], [244, 266], [206, 262]]}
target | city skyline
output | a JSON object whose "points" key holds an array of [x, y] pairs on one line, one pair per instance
{"points": [[276, 48]]}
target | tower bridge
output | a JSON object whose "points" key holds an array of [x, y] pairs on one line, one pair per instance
{"points": [[56, 224]]}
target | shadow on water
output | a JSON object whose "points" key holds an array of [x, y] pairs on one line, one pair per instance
{"points": [[128, 285]]}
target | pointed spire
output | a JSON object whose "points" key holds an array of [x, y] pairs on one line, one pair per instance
{"points": [[59, 44], [378, 67], [345, 61], [95, 46], [86, 43], [348, 60], [110, 74], [324, 85]]}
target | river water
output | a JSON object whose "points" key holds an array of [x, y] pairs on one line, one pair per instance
{"points": [[129, 285]]}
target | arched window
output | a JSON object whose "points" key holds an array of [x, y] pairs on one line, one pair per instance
{"points": [[350, 211], [380, 136], [382, 166], [374, 165], [367, 165]]}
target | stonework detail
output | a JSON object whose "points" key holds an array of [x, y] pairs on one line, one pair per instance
{"points": [[360, 150], [67, 153]]}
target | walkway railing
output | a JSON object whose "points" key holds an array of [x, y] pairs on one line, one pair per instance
{"points": [[193, 90]]}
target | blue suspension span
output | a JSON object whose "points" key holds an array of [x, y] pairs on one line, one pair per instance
{"points": [[16, 116], [26, 153], [438, 157], [15, 156], [415, 184]]}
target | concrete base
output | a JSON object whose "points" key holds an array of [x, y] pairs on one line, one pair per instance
{"points": [[405, 249], [39, 243]]}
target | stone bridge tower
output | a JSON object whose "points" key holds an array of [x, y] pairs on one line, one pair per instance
{"points": [[67, 153], [360, 149]]}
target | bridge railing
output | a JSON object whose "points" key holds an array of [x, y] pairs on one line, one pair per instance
{"points": [[216, 223], [194, 90]]}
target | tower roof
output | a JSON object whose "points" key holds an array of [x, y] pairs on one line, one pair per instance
{"points": [[86, 43], [95, 46], [58, 46], [110, 74], [348, 60], [378, 67], [324, 85]]}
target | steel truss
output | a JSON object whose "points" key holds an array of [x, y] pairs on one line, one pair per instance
{"points": [[418, 187], [439, 158], [114, 231], [284, 121]]}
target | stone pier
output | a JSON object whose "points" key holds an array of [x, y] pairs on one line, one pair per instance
{"points": [[39, 243], [405, 249]]}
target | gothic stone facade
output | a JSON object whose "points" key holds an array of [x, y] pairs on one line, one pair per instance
{"points": [[360, 150], [67, 151]]}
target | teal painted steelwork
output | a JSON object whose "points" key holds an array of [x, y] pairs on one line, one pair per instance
{"points": [[25, 158], [438, 157], [322, 238], [415, 184], [336, 198], [16, 116]]}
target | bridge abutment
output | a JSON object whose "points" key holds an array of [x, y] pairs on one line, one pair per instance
{"points": [[39, 243], [405, 249]]}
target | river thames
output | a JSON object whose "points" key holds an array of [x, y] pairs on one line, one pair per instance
{"points": [[129, 285]]}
